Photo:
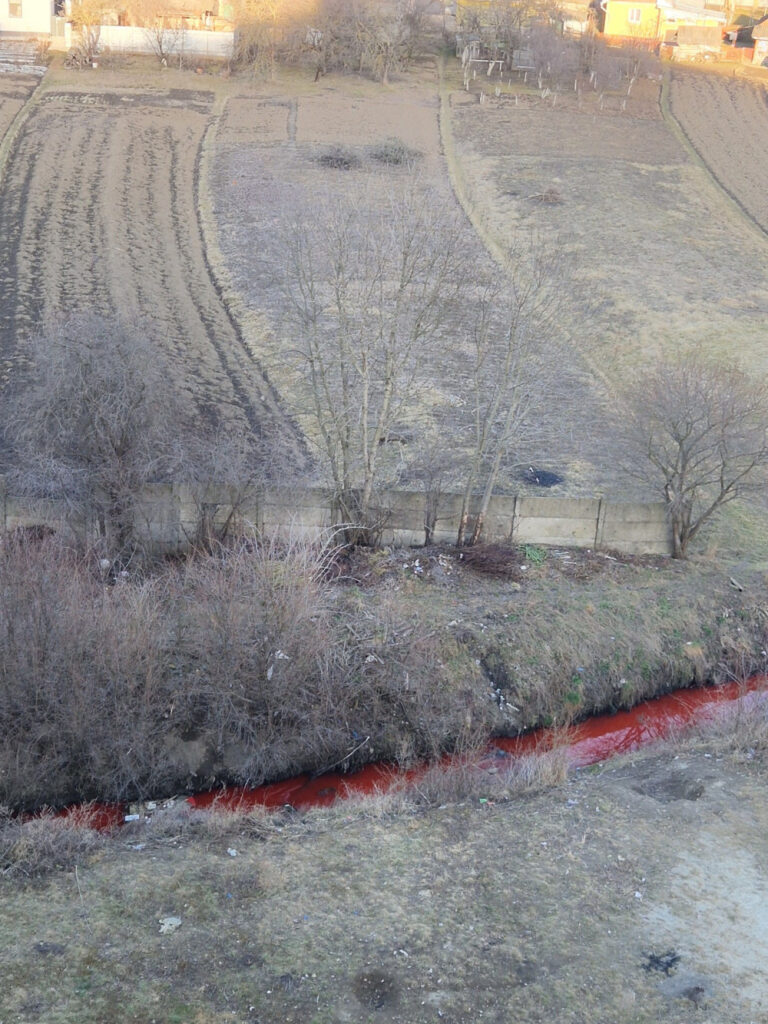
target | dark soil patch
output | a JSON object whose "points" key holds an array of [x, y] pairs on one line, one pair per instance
{"points": [[376, 989], [668, 790], [540, 477]]}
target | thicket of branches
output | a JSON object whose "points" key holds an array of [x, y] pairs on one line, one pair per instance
{"points": [[236, 665], [364, 36]]}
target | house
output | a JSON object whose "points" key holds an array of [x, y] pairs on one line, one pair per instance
{"points": [[26, 17], [760, 39], [650, 22]]}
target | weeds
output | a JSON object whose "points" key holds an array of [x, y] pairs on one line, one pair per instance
{"points": [[34, 848], [340, 158], [236, 666], [394, 153]]}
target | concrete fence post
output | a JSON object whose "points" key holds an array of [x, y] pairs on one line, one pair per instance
{"points": [[599, 524], [513, 527]]}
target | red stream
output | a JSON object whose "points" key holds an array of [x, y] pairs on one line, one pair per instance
{"points": [[587, 743]]}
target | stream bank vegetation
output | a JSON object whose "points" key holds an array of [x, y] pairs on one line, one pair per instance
{"points": [[261, 659]]}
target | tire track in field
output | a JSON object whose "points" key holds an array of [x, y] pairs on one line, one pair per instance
{"points": [[100, 211]]}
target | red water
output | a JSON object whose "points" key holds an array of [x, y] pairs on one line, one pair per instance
{"points": [[587, 743]]}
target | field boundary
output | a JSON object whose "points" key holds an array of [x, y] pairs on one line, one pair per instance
{"points": [[169, 517], [8, 141], [684, 139], [456, 178]]}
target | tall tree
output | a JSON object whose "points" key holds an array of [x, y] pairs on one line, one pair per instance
{"points": [[513, 345], [369, 293], [98, 419]]}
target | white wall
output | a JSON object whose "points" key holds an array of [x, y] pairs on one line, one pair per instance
{"points": [[35, 17], [129, 39]]}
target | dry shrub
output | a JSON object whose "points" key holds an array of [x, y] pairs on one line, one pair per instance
{"points": [[33, 848], [740, 728], [244, 655], [340, 158], [84, 680], [493, 560], [394, 153]]}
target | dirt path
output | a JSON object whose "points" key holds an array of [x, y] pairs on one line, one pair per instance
{"points": [[100, 211]]}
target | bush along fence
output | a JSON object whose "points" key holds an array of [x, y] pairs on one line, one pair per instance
{"points": [[169, 517]]}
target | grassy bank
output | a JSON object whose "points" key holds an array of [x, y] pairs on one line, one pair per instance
{"points": [[264, 661], [548, 907]]}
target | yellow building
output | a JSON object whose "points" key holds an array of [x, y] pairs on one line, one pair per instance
{"points": [[651, 21]]}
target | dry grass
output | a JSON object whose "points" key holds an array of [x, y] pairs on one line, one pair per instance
{"points": [[512, 910]]}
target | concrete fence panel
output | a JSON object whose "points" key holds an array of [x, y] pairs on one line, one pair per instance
{"points": [[189, 42], [169, 517]]}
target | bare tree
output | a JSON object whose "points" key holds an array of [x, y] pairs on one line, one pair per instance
{"points": [[513, 347], [164, 39], [225, 473], [87, 17], [368, 36], [697, 431], [97, 420], [369, 292]]}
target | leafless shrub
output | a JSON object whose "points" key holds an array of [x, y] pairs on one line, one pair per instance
{"points": [[98, 419], [340, 158], [33, 848], [740, 729], [85, 680]]}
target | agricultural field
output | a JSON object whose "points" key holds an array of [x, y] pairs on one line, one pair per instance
{"points": [[14, 93], [138, 194], [295, 150], [726, 121], [99, 212], [664, 260]]}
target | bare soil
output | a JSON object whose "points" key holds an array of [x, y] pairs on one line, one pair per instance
{"points": [[636, 892], [100, 210], [726, 121], [14, 92]]}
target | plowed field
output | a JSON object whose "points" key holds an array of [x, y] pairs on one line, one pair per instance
{"points": [[99, 211], [726, 121]]}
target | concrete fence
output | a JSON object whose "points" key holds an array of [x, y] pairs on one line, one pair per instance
{"points": [[170, 516], [184, 42]]}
